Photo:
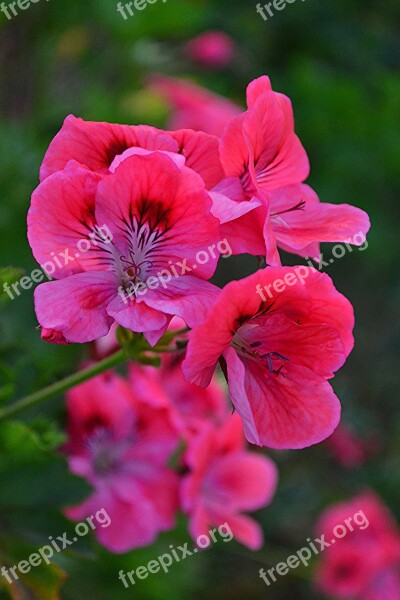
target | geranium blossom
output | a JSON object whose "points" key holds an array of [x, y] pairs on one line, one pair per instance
{"points": [[158, 215], [121, 447], [364, 565], [260, 149], [279, 353], [224, 481]]}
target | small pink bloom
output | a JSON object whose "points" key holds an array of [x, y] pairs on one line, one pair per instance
{"points": [[213, 49], [224, 481], [279, 350], [366, 562], [349, 450], [156, 215], [193, 106], [121, 447]]}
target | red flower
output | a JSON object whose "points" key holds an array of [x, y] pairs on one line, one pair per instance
{"points": [[279, 352]]}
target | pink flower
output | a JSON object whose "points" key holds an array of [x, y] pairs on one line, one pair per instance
{"points": [[261, 150], [212, 49], [190, 406], [121, 446], [156, 215], [365, 564], [349, 450], [278, 351], [193, 106], [225, 480]]}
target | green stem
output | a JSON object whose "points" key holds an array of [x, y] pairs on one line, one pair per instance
{"points": [[65, 384]]}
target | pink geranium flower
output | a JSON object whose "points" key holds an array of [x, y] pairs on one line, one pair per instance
{"points": [[211, 49], [157, 215], [121, 446], [278, 350], [224, 481], [260, 149], [365, 564], [193, 106]]}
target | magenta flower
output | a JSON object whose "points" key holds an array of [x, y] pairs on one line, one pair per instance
{"points": [[261, 150], [225, 480], [193, 106], [157, 216], [211, 49], [280, 347], [121, 446], [365, 564]]}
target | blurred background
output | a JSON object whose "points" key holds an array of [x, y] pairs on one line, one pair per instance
{"points": [[338, 60]]}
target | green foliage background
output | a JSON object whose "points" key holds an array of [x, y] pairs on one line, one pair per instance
{"points": [[338, 60]]}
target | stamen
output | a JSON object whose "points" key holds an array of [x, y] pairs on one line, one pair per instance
{"points": [[269, 356], [299, 206]]}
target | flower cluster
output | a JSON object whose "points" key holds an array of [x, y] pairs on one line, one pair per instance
{"points": [[124, 437], [366, 564], [167, 198]]}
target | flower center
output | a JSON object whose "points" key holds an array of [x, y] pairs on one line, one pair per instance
{"points": [[249, 351], [105, 451]]}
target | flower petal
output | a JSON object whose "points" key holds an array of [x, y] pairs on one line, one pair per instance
{"points": [[76, 306]]}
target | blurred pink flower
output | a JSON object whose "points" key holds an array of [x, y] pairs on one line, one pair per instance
{"points": [[194, 107], [365, 564], [349, 450], [224, 480], [212, 49], [121, 446], [190, 406]]}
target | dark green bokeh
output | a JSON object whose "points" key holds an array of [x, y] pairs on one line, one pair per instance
{"points": [[338, 60]]}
